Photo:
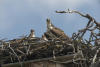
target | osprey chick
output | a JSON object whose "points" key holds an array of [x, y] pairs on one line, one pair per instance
{"points": [[44, 37], [32, 34]]}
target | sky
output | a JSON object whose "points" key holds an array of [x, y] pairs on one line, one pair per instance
{"points": [[17, 17]]}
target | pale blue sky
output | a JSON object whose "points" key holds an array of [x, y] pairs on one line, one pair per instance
{"points": [[17, 17]]}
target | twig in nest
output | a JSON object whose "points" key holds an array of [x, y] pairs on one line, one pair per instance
{"points": [[14, 52]]}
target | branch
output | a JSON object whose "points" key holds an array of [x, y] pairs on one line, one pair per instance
{"points": [[83, 15]]}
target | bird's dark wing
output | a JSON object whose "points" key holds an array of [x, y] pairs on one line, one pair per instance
{"points": [[59, 33]]}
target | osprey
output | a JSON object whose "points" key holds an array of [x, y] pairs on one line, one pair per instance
{"points": [[49, 25], [44, 37], [56, 31], [32, 34]]}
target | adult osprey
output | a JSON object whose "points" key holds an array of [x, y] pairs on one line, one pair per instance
{"points": [[32, 34], [56, 31]]}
